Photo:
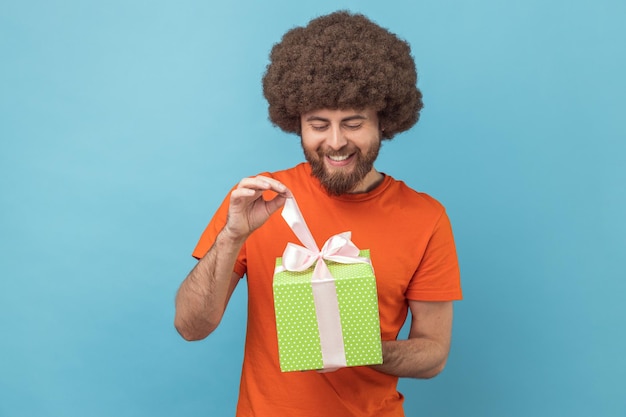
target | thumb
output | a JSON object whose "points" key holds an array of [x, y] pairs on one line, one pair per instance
{"points": [[275, 203]]}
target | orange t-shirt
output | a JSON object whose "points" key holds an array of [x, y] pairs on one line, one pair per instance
{"points": [[413, 256]]}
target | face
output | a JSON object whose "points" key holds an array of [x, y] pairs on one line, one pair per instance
{"points": [[341, 146]]}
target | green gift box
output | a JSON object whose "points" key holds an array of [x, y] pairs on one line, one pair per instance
{"points": [[298, 325]]}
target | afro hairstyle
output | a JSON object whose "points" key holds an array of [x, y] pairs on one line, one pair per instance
{"points": [[342, 61]]}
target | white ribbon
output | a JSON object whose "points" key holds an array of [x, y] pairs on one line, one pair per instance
{"points": [[338, 248]]}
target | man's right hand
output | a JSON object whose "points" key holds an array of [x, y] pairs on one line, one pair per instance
{"points": [[248, 209]]}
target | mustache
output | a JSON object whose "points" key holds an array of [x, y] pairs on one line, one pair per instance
{"points": [[346, 150]]}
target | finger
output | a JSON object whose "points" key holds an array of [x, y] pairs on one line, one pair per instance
{"points": [[276, 203], [264, 183], [241, 195]]}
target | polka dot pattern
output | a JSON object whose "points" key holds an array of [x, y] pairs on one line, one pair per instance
{"points": [[296, 324], [358, 308], [298, 334]]}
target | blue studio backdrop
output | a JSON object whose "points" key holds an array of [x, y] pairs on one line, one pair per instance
{"points": [[124, 123]]}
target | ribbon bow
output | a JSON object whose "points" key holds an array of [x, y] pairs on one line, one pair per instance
{"points": [[338, 248]]}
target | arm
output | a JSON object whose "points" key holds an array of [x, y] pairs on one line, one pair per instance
{"points": [[204, 294], [424, 353]]}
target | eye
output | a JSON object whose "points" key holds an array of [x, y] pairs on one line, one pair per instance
{"points": [[353, 126], [319, 127]]}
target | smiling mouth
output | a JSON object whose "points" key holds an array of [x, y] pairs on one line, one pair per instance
{"points": [[339, 161], [338, 158]]}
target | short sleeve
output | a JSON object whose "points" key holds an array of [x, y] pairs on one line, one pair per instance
{"points": [[437, 277], [210, 233]]}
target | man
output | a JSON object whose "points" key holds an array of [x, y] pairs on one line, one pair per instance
{"points": [[343, 84]]}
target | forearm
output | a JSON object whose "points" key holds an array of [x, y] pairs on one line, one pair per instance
{"points": [[203, 295], [413, 358], [425, 352]]}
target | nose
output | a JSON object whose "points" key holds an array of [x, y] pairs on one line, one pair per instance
{"points": [[336, 139]]}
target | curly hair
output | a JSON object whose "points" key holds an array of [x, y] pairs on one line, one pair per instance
{"points": [[342, 61]]}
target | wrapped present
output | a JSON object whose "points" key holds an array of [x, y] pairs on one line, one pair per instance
{"points": [[325, 302]]}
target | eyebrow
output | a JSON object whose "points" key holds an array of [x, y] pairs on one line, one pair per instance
{"points": [[346, 119]]}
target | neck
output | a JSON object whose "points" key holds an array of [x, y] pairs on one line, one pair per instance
{"points": [[369, 182]]}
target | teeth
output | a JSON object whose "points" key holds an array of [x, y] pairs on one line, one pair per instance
{"points": [[338, 158]]}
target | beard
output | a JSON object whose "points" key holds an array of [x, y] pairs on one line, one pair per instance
{"points": [[336, 182]]}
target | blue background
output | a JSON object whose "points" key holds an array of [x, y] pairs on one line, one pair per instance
{"points": [[124, 123]]}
